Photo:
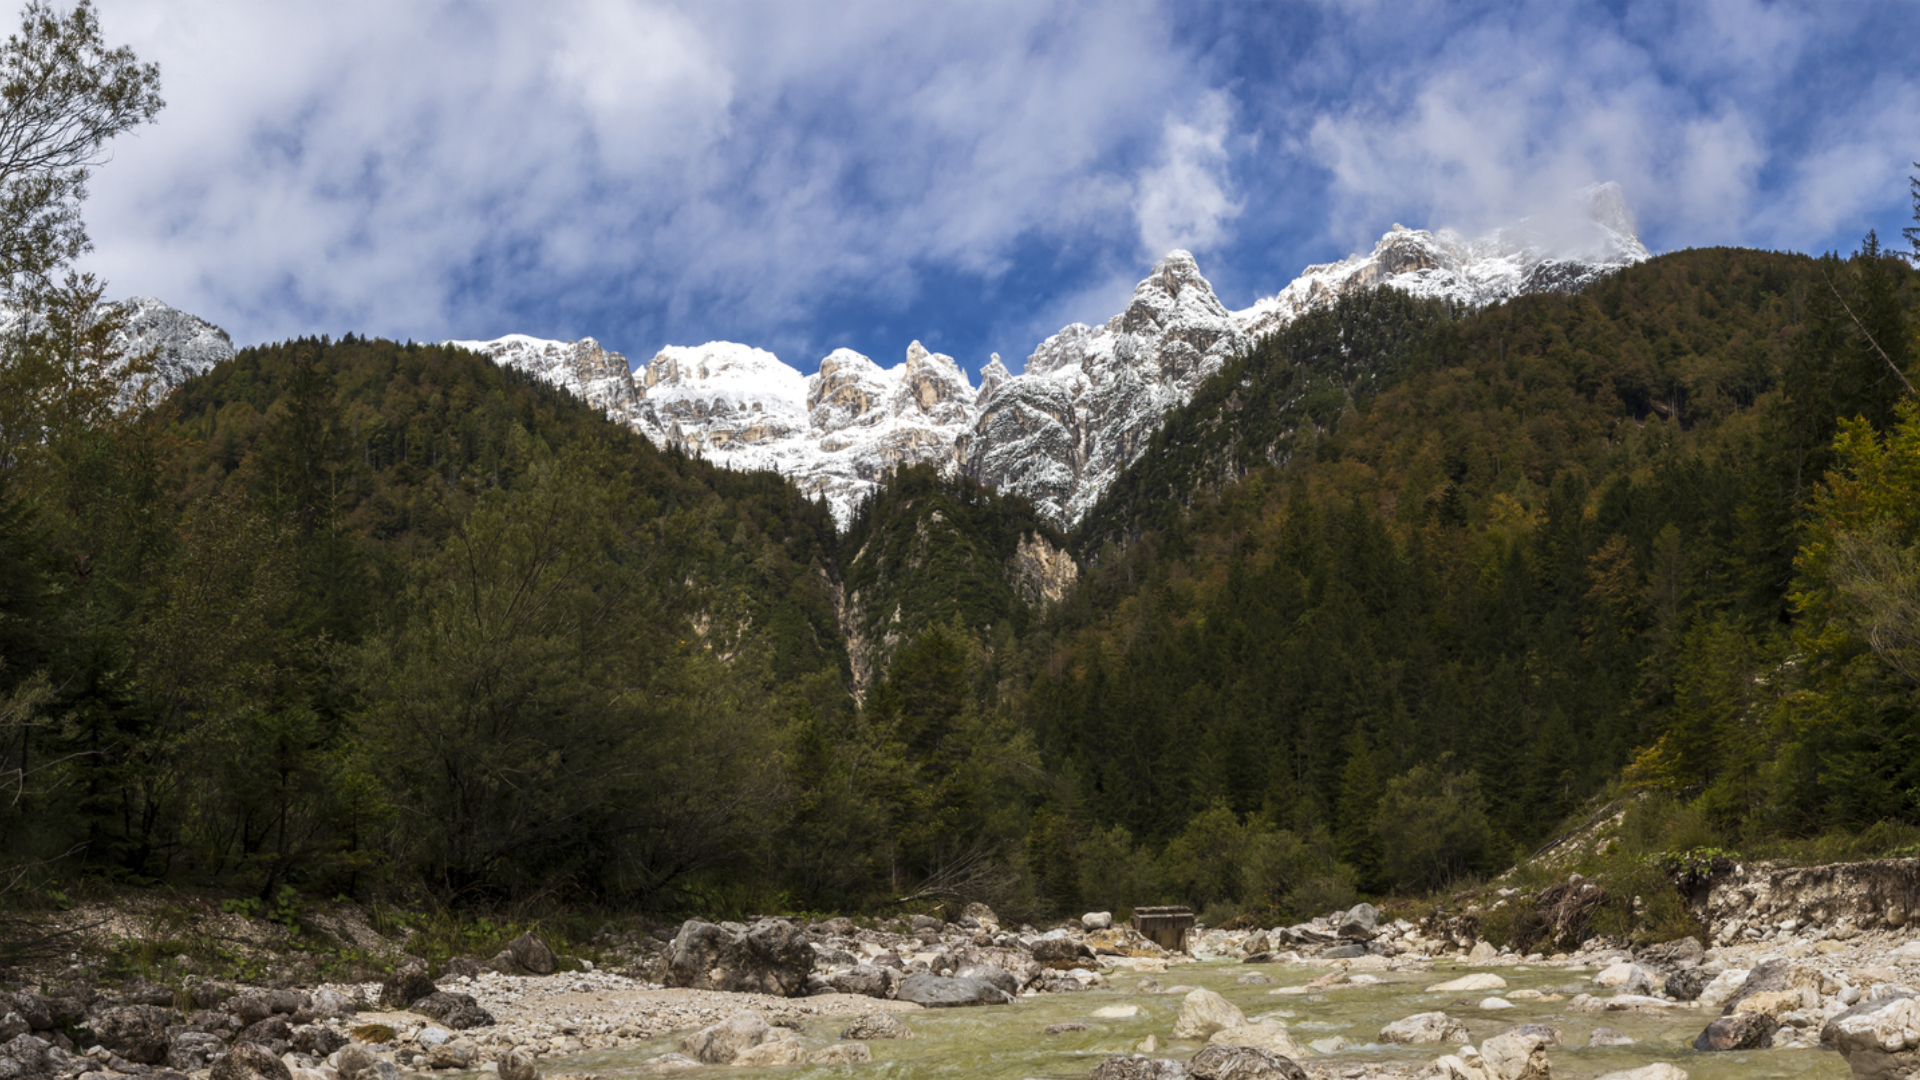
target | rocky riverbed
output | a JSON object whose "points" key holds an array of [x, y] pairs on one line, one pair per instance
{"points": [[1348, 996]]}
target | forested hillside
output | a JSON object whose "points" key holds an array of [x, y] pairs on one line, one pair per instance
{"points": [[351, 613], [1399, 591]]}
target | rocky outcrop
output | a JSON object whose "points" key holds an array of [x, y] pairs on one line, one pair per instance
{"points": [[1594, 238], [1061, 431], [1042, 573], [772, 957]]}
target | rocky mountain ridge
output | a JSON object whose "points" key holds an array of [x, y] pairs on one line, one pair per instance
{"points": [[1088, 397], [180, 345]]}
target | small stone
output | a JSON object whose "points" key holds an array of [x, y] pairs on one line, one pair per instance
{"points": [[877, 1025], [842, 1053], [1606, 1036]]}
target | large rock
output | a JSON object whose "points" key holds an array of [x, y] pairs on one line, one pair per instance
{"points": [[516, 1065], [1659, 1070], [1628, 978], [1879, 1039], [772, 957], [274, 1033], [1097, 920], [1722, 988], [458, 1054], [1516, 1055], [1742, 1031], [1425, 1029], [940, 992], [1466, 983], [402, 987], [318, 1040], [1360, 923], [864, 980], [31, 1007], [135, 1032], [247, 1061], [355, 1060], [457, 1011], [1265, 1035], [191, 1051], [869, 1026], [1057, 952], [1204, 1012], [1243, 1063], [1139, 1068], [1686, 984], [722, 1043], [525, 955], [1008, 983]]}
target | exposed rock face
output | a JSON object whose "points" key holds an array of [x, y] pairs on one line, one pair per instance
{"points": [[1750, 900], [1042, 573], [582, 367], [178, 345], [182, 345], [1090, 397]]}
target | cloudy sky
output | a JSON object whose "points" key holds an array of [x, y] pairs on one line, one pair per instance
{"points": [[803, 176]]}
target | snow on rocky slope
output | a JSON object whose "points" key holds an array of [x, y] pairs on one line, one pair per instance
{"points": [[181, 345], [1081, 410]]}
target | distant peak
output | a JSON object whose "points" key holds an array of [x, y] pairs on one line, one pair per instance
{"points": [[1177, 260], [1606, 204]]}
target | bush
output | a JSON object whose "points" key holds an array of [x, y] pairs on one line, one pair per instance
{"points": [[1432, 828]]}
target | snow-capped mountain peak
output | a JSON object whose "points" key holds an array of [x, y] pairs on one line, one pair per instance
{"points": [[1088, 398]]}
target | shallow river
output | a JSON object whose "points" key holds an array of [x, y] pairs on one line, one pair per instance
{"points": [[1008, 1042]]}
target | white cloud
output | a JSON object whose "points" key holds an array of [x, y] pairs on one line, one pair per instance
{"points": [[1183, 201], [439, 169], [1689, 108]]}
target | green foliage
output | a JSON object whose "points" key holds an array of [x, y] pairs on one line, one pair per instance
{"points": [[1431, 825], [1552, 538], [66, 96]]}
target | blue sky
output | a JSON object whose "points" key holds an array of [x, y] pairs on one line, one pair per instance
{"points": [[805, 176]]}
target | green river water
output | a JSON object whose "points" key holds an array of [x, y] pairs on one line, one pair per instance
{"points": [[1008, 1042]]}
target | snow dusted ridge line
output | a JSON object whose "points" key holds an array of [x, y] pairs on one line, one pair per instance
{"points": [[1089, 397], [181, 345]]}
